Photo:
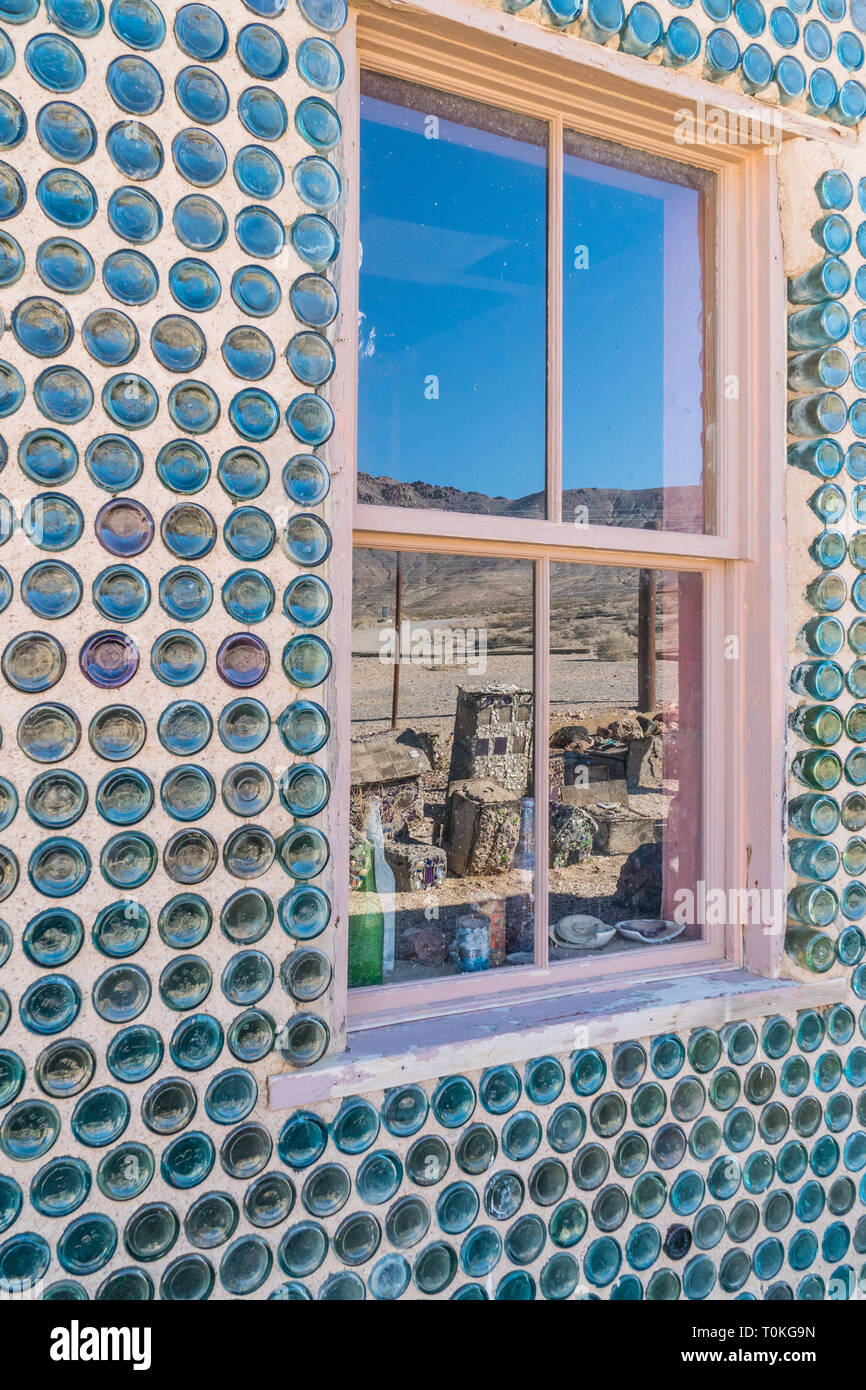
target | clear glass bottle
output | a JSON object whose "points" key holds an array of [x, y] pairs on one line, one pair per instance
{"points": [[823, 412], [818, 859], [520, 915], [642, 31], [833, 233], [822, 636], [814, 814], [822, 457], [826, 368], [813, 904], [820, 325], [834, 190], [828, 503], [827, 593], [385, 883], [601, 20], [829, 279]]}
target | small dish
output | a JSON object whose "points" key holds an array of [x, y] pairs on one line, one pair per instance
{"points": [[581, 933], [650, 931]]}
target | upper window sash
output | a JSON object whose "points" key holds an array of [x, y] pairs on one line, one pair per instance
{"points": [[477, 224], [634, 109]]}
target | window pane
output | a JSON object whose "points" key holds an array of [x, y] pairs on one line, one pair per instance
{"points": [[634, 351], [452, 303], [625, 758], [442, 816]]}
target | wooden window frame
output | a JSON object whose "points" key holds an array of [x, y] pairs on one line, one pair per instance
{"points": [[487, 56]]}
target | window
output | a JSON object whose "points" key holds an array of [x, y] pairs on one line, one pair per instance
{"points": [[550, 516]]}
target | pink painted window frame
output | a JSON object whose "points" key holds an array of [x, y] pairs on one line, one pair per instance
{"points": [[743, 564]]}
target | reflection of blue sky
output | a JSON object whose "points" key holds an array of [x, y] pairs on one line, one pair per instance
{"points": [[453, 286], [632, 365]]}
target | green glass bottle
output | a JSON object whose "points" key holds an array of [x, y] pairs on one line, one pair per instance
{"points": [[830, 548], [855, 767], [812, 950], [818, 724], [854, 811], [855, 723], [823, 680], [855, 679], [366, 921], [854, 857], [817, 768]]}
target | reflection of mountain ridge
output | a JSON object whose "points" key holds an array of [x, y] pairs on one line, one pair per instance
{"points": [[587, 601], [680, 506]]}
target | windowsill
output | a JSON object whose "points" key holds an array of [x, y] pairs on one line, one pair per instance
{"points": [[377, 1058]]}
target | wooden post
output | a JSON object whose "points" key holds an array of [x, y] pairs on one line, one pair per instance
{"points": [[398, 621], [646, 641]]}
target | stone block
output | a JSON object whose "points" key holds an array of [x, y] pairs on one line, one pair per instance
{"points": [[482, 827], [389, 766], [418, 867], [437, 748], [644, 766], [571, 833], [582, 779], [402, 804], [493, 737], [613, 791], [620, 830]]}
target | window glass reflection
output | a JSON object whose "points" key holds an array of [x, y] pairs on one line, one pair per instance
{"points": [[625, 758], [442, 844], [452, 303], [634, 359]]}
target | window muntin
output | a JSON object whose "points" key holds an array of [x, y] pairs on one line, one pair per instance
{"points": [[452, 391]]}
